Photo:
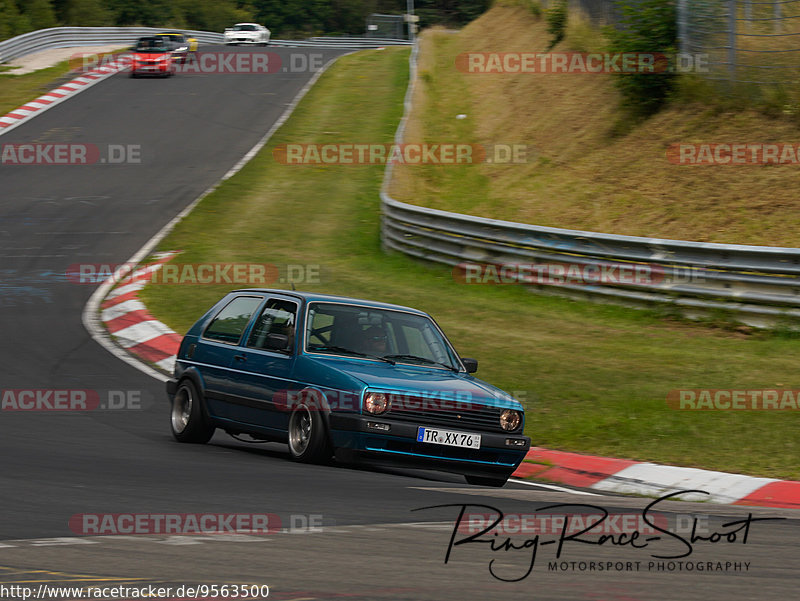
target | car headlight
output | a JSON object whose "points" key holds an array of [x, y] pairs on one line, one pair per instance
{"points": [[376, 403], [510, 420]]}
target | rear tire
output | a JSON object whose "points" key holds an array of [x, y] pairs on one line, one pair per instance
{"points": [[308, 438], [188, 420], [487, 481]]}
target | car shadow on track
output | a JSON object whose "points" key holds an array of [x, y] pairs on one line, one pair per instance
{"points": [[275, 451]]}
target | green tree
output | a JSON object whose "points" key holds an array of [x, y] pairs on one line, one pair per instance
{"points": [[213, 15], [646, 26], [451, 13], [12, 21], [150, 13], [88, 13], [557, 22], [40, 13]]}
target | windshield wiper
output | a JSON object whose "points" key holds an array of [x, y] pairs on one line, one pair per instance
{"points": [[422, 359], [347, 351]]}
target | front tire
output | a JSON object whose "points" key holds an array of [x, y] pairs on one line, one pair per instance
{"points": [[308, 438], [188, 420], [487, 481]]}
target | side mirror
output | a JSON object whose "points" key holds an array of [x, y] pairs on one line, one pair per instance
{"points": [[277, 342], [470, 364]]}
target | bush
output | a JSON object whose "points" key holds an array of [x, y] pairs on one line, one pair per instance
{"points": [[557, 22], [646, 26]]}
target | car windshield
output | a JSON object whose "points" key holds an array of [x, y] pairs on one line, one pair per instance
{"points": [[152, 46], [245, 28], [395, 336]]}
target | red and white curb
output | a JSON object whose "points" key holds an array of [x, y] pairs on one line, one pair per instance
{"points": [[130, 324], [654, 480], [42, 103]]}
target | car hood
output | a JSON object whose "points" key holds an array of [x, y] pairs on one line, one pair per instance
{"points": [[149, 56], [411, 379]]}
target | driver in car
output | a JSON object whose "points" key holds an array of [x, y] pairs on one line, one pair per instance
{"points": [[375, 341]]}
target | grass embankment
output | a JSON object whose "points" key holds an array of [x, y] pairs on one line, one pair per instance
{"points": [[582, 172], [593, 378], [16, 90]]}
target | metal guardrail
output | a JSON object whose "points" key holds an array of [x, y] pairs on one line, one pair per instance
{"points": [[342, 42], [66, 37], [757, 285]]}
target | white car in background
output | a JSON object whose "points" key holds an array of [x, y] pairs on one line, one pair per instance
{"points": [[247, 33]]}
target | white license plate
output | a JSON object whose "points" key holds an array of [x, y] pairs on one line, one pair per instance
{"points": [[449, 438]]}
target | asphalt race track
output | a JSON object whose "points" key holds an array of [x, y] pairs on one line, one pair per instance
{"points": [[344, 532]]}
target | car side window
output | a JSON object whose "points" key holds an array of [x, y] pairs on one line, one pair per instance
{"points": [[229, 323], [278, 317]]}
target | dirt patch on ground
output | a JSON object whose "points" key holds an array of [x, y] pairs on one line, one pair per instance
{"points": [[53, 56]]}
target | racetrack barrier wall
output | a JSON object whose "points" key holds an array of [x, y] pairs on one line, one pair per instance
{"points": [[756, 285], [66, 37]]}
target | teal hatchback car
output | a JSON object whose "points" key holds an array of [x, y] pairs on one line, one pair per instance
{"points": [[345, 378]]}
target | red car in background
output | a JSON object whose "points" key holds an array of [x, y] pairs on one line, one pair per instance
{"points": [[153, 56]]}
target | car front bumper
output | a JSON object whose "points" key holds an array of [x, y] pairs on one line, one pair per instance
{"points": [[357, 435], [242, 40], [151, 69]]}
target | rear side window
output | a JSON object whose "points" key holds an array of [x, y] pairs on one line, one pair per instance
{"points": [[229, 323], [278, 317]]}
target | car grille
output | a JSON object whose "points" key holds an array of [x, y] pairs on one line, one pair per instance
{"points": [[456, 414]]}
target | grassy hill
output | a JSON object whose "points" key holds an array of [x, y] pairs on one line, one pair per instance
{"points": [[582, 173]]}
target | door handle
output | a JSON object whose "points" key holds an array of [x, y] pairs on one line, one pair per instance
{"points": [[240, 357]]}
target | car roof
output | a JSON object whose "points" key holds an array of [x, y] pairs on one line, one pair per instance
{"points": [[318, 297], [248, 24]]}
